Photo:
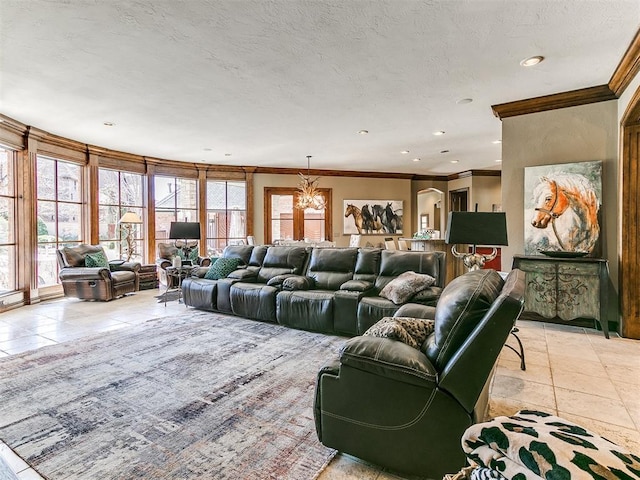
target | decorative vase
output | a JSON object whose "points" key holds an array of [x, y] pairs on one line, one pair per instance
{"points": [[177, 261]]}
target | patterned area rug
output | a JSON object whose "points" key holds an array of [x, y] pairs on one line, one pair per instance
{"points": [[202, 396]]}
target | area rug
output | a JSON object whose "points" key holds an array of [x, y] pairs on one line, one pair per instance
{"points": [[201, 396]]}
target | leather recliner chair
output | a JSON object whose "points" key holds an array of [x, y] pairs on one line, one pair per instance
{"points": [[95, 283], [405, 408]]}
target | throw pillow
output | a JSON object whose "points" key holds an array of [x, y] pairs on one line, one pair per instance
{"points": [[412, 331], [222, 268], [97, 259], [405, 286]]}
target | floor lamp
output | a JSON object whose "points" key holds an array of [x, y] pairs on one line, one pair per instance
{"points": [[127, 220]]}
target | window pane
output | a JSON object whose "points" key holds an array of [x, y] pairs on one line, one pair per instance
{"points": [[47, 221], [187, 193], [108, 181], [187, 216], [7, 268], [164, 192], [68, 182], [7, 220], [132, 193], [237, 196], [6, 173], [282, 217], [69, 222], [46, 179], [108, 222]]}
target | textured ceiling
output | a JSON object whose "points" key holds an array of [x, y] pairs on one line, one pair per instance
{"points": [[271, 81]]}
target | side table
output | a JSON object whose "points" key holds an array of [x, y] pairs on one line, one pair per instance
{"points": [[565, 289], [148, 277], [177, 274]]}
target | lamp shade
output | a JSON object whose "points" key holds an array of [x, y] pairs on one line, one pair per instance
{"points": [[477, 228], [184, 230], [130, 217]]}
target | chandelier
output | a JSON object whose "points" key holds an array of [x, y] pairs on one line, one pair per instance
{"points": [[309, 196]]}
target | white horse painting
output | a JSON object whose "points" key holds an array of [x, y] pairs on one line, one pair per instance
{"points": [[564, 216]]}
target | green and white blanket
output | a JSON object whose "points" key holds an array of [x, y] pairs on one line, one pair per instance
{"points": [[535, 445]]}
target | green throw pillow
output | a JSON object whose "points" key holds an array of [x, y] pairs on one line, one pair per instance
{"points": [[97, 259], [221, 268], [192, 255]]}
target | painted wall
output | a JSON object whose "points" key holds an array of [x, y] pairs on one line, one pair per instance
{"points": [[487, 192], [576, 134], [343, 188]]}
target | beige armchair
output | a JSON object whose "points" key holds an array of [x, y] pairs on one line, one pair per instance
{"points": [[101, 280]]}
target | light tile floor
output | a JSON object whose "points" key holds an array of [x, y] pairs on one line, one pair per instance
{"points": [[572, 372]]}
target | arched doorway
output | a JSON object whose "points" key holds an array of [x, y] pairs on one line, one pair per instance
{"points": [[629, 181], [430, 210]]}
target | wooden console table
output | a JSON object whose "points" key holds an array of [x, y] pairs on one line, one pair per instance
{"points": [[566, 288]]}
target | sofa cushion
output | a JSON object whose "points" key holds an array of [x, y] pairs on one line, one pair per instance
{"points": [[405, 286], [222, 268], [462, 305], [412, 331], [243, 252], [97, 259]]}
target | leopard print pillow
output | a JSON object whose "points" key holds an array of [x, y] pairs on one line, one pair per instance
{"points": [[412, 331]]}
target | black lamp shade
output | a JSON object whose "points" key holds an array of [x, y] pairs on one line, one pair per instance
{"points": [[477, 228], [184, 230]]}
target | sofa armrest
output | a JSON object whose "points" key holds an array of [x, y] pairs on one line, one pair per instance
{"points": [[389, 358], [416, 310], [124, 267], [84, 273], [244, 275], [204, 261], [298, 282], [357, 285], [277, 280], [164, 263]]}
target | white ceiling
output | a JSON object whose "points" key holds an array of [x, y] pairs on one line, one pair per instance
{"points": [[271, 81]]}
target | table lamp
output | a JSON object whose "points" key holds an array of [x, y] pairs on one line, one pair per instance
{"points": [[476, 228], [185, 231]]}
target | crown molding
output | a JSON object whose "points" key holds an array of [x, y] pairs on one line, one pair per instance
{"points": [[333, 173], [474, 173], [574, 98], [628, 67]]}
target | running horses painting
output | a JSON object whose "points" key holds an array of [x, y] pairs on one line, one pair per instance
{"points": [[373, 217], [563, 209]]}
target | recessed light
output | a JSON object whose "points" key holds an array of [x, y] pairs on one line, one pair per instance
{"points": [[227, 154], [404, 152], [496, 142], [207, 149], [499, 160], [439, 132], [463, 101], [444, 151], [416, 159], [531, 61], [363, 132], [454, 161], [109, 124]]}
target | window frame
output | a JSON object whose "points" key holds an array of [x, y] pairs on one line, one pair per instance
{"points": [[298, 213], [12, 221]]}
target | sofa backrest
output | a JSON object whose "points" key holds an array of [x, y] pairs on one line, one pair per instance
{"points": [[74, 256], [462, 305], [282, 260], [257, 257], [367, 264], [331, 267], [395, 262], [241, 252], [466, 373]]}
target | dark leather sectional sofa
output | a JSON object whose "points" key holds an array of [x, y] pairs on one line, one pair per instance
{"points": [[330, 290]]}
